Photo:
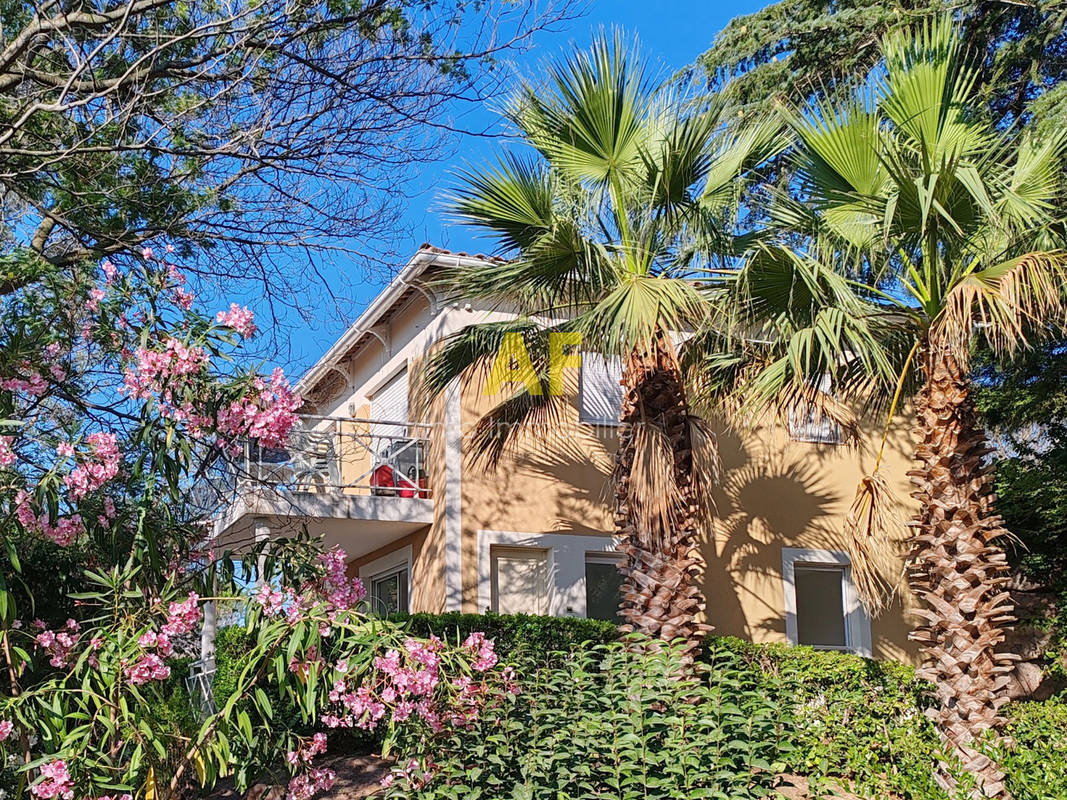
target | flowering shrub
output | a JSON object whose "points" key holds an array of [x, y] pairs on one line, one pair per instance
{"points": [[114, 395]]}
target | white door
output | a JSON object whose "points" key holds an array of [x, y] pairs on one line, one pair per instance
{"points": [[390, 404], [519, 580]]}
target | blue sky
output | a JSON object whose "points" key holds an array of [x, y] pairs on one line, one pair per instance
{"points": [[672, 34]]}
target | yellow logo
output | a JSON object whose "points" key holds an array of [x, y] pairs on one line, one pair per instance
{"points": [[513, 365]]}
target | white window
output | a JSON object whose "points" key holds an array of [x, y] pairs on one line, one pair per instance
{"points": [[545, 573], [806, 426], [388, 582], [600, 391], [390, 405], [389, 592], [519, 576], [822, 606], [603, 586]]}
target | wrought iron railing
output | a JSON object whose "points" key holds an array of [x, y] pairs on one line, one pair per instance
{"points": [[327, 454]]}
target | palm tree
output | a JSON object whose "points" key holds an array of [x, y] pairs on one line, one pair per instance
{"points": [[603, 222], [915, 231]]}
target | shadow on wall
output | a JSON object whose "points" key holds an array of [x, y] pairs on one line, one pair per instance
{"points": [[766, 500], [551, 482], [773, 493], [777, 493]]}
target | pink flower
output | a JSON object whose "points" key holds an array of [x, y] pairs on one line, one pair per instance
{"points": [[268, 415], [270, 598], [100, 466], [55, 782], [149, 668], [110, 270], [146, 253], [154, 369], [239, 318], [7, 455], [5, 729], [57, 645], [64, 533], [341, 592], [484, 649], [184, 616], [303, 787], [95, 296], [183, 298], [31, 383]]}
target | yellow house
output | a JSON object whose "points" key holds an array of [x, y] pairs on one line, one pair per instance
{"points": [[428, 531]]}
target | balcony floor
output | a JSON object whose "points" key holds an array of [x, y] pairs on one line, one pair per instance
{"points": [[358, 523]]}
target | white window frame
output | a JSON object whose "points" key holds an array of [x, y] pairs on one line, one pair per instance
{"points": [[612, 557], [385, 566], [390, 428], [565, 566], [857, 623]]}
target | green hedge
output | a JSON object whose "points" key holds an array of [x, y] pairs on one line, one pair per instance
{"points": [[614, 720], [522, 639], [844, 719]]}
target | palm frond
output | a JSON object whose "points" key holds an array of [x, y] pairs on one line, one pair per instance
{"points": [[927, 93], [637, 309], [875, 531], [707, 466], [1035, 183], [676, 162], [1007, 305], [512, 202], [652, 486], [468, 355], [507, 429], [803, 339], [738, 151], [559, 271], [592, 116]]}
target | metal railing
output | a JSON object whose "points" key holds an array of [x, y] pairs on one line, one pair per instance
{"points": [[199, 686], [327, 454]]}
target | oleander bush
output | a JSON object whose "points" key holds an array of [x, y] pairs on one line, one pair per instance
{"points": [[521, 639]]}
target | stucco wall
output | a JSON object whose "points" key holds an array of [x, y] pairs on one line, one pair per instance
{"points": [[775, 493]]}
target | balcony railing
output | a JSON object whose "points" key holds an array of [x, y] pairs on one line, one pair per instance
{"points": [[327, 454]]}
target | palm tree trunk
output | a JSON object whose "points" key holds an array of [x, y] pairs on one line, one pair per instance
{"points": [[958, 572], [660, 596]]}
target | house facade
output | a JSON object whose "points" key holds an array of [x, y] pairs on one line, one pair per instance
{"points": [[389, 477]]}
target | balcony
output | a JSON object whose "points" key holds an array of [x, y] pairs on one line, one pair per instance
{"points": [[360, 483]]}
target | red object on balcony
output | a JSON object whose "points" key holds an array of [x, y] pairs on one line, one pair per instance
{"points": [[383, 480]]}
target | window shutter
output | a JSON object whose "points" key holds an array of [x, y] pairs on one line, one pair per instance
{"points": [[519, 580], [804, 427], [390, 404], [600, 393]]}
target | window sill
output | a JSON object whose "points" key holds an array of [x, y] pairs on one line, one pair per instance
{"points": [[599, 423]]}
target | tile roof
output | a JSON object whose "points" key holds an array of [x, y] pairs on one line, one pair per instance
{"points": [[426, 247]]}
